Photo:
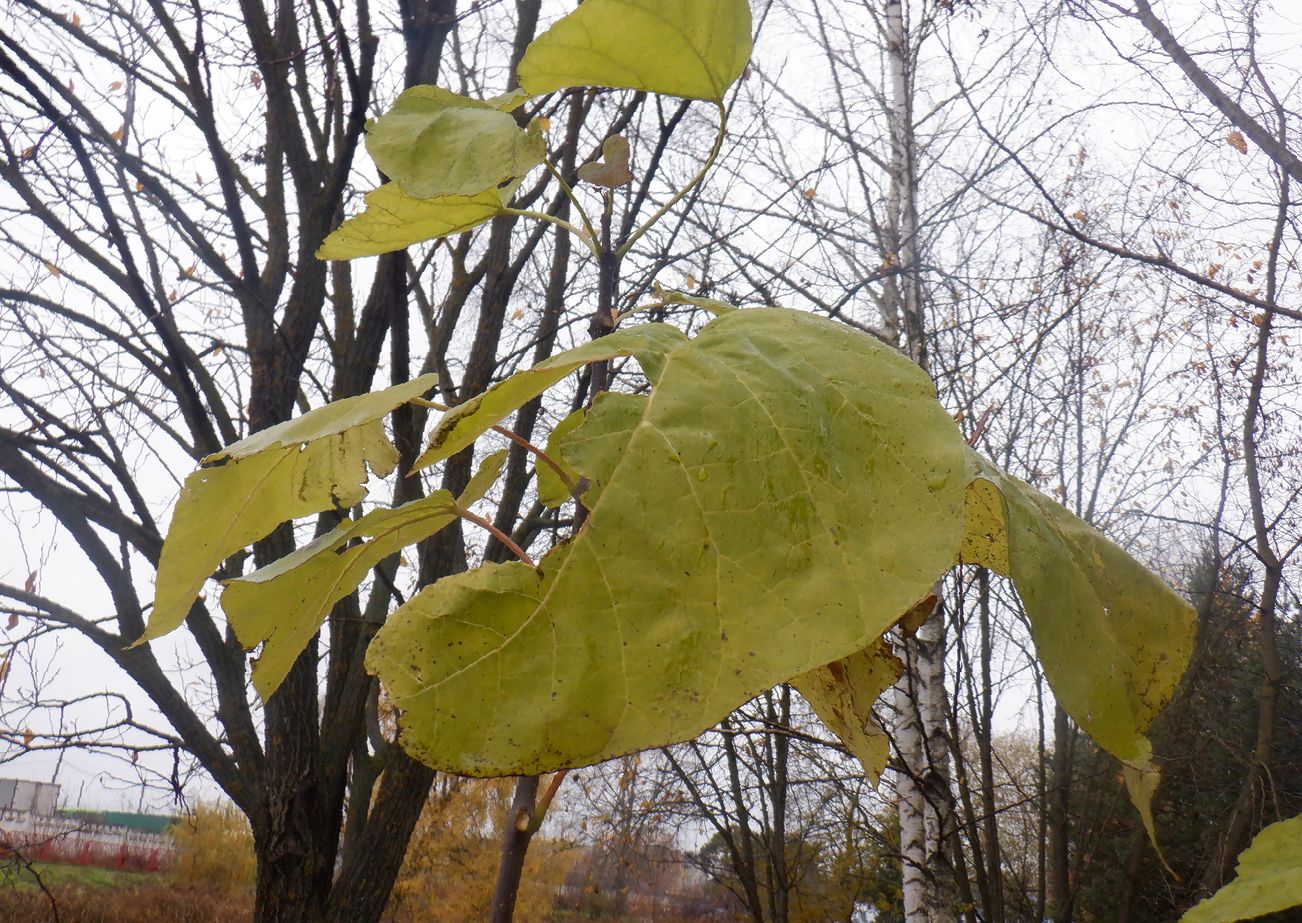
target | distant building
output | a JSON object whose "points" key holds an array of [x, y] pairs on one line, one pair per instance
{"points": [[31, 827], [26, 797]]}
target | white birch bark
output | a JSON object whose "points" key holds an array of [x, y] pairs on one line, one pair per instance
{"points": [[925, 798]]}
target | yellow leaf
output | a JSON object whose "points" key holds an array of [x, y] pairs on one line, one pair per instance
{"points": [[393, 220], [433, 143], [695, 49], [115, 86], [1083, 593], [120, 133], [1236, 140], [52, 269], [307, 465], [1267, 878], [842, 695]]}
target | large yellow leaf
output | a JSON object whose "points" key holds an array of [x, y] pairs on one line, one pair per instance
{"points": [[1114, 640], [690, 48], [393, 220], [310, 464], [433, 142], [1269, 878], [787, 492], [281, 606]]}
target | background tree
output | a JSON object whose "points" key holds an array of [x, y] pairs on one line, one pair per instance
{"points": [[169, 173]]}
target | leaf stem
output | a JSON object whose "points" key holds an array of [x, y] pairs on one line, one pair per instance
{"points": [[545, 802], [647, 306], [519, 440], [497, 534], [574, 200], [692, 184], [559, 222]]}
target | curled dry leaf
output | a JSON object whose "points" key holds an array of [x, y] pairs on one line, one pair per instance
{"points": [[612, 171]]}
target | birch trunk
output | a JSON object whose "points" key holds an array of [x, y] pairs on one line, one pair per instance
{"points": [[925, 798]]}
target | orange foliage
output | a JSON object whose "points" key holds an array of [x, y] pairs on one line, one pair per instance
{"points": [[451, 863], [214, 848]]}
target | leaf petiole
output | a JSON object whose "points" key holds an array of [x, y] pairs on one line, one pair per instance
{"points": [[545, 801], [559, 222], [574, 200], [497, 534], [519, 440], [692, 184]]}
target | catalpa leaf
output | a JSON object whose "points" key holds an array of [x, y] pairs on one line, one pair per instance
{"points": [[842, 694], [713, 305], [393, 220], [1269, 878], [307, 465], [695, 49], [436, 143], [789, 489], [281, 606], [467, 422], [1113, 639], [552, 490]]}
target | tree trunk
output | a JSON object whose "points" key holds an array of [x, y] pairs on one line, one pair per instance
{"points": [[1245, 817], [926, 809], [1058, 884]]}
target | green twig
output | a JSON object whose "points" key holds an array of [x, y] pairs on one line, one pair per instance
{"points": [[695, 181], [559, 222], [574, 200]]}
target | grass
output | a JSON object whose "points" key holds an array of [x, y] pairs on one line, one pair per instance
{"points": [[82, 894], [13, 876]]}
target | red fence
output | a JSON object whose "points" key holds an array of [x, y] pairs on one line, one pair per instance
{"points": [[68, 841]]}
